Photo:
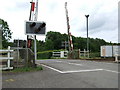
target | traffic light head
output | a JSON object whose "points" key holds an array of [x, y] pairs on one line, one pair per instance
{"points": [[34, 27]]}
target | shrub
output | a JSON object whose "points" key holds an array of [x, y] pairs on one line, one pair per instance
{"points": [[44, 55]]}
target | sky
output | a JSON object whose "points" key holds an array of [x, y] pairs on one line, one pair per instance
{"points": [[103, 17]]}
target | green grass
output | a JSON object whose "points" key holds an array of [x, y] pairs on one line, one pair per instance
{"points": [[24, 69], [50, 51], [82, 57], [58, 58]]}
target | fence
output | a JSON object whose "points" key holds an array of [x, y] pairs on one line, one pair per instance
{"points": [[76, 54], [23, 57], [61, 54], [8, 58], [83, 53]]}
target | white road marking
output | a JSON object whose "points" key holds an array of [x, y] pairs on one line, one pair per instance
{"points": [[78, 70], [111, 71], [70, 71], [102, 62], [51, 68], [90, 61], [76, 64], [90, 70]]}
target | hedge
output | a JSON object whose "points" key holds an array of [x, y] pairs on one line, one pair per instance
{"points": [[46, 54]]}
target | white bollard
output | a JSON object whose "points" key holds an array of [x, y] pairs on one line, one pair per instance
{"points": [[84, 53], [61, 54], [116, 58]]}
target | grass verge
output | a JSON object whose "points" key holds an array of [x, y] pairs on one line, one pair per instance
{"points": [[24, 69]]}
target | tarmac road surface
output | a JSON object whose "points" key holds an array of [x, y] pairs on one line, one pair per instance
{"points": [[63, 73]]}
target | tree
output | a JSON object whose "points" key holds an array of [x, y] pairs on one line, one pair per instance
{"points": [[54, 38], [49, 45], [40, 46], [6, 33]]}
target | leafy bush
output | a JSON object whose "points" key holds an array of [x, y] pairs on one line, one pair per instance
{"points": [[44, 55], [73, 55], [94, 55]]}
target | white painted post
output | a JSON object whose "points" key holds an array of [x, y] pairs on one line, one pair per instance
{"points": [[84, 52], [116, 58], [79, 52], [88, 53], [53, 54], [62, 54], [65, 54], [8, 63]]}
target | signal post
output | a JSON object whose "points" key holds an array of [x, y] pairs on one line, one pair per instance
{"points": [[33, 27]]}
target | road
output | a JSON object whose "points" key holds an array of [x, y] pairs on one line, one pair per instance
{"points": [[63, 73]]}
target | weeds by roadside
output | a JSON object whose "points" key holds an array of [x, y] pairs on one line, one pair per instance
{"points": [[24, 69]]}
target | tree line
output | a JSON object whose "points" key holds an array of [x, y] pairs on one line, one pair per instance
{"points": [[54, 40]]}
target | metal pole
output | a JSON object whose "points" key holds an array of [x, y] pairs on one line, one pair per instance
{"points": [[35, 19], [30, 19], [87, 32], [35, 47], [36, 12], [65, 45], [18, 44]]}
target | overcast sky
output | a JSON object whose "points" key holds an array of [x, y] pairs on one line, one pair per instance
{"points": [[103, 19]]}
